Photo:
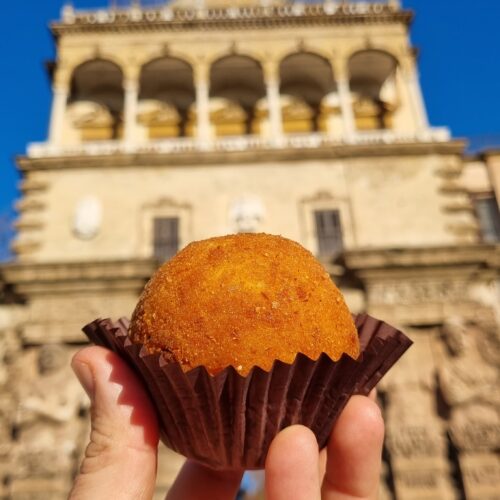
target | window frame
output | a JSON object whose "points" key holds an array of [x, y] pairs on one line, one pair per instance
{"points": [[495, 224], [324, 200], [163, 208]]}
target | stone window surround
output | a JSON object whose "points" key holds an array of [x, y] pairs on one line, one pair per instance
{"points": [[325, 201], [163, 207]]}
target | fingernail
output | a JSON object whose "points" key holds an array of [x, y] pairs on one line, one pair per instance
{"points": [[85, 376]]}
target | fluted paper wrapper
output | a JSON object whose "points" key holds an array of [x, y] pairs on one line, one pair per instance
{"points": [[228, 421]]}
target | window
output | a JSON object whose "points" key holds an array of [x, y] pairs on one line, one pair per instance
{"points": [[489, 218], [166, 237], [328, 232]]}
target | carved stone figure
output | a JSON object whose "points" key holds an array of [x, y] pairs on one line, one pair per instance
{"points": [[7, 411], [47, 421], [469, 385], [246, 214], [415, 435]]}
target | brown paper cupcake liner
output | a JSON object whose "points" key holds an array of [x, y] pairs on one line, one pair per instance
{"points": [[228, 421]]}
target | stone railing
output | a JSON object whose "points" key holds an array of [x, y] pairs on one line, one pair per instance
{"points": [[440, 134], [154, 13], [237, 143]]}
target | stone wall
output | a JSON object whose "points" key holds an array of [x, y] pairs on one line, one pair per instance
{"points": [[366, 190], [439, 401]]}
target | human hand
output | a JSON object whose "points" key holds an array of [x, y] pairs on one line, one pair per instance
{"points": [[120, 460]]}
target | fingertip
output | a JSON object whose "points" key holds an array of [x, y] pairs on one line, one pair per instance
{"points": [[292, 465], [284, 446], [355, 450], [361, 417], [93, 355]]}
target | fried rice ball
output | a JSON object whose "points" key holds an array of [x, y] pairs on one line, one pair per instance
{"points": [[243, 300]]}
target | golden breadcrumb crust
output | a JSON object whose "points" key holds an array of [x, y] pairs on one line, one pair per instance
{"points": [[243, 300]]}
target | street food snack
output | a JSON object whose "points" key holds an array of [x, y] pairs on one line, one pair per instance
{"points": [[243, 300], [239, 337]]}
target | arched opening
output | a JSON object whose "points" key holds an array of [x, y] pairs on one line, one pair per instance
{"points": [[306, 80], [166, 94], [373, 86], [95, 105], [236, 85]]}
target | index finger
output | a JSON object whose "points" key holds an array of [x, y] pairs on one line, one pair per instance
{"points": [[354, 453]]}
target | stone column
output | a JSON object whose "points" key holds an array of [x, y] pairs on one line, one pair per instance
{"points": [[272, 81], [411, 79], [131, 89], [341, 74], [60, 92], [202, 85]]}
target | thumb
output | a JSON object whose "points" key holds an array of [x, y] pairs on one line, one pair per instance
{"points": [[120, 460]]}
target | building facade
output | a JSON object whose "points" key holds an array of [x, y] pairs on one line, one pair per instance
{"points": [[181, 121]]}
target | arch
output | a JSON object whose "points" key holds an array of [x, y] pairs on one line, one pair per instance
{"points": [[237, 81], [111, 57], [96, 99], [305, 79], [372, 65], [144, 58], [364, 47], [373, 85], [230, 51], [306, 47], [166, 94]]}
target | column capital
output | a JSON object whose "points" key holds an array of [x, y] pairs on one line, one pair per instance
{"points": [[340, 66], [62, 78], [131, 75], [271, 70], [201, 72]]}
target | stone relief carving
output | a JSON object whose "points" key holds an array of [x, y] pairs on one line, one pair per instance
{"points": [[87, 218], [417, 292], [246, 214], [469, 384], [414, 430], [47, 423]]}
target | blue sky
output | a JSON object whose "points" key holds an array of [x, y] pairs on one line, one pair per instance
{"points": [[459, 65]]}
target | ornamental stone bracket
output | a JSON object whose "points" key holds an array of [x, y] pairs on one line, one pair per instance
{"points": [[424, 286]]}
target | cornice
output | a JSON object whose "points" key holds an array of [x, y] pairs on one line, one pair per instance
{"points": [[490, 152], [235, 18], [30, 278], [290, 155], [442, 259]]}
